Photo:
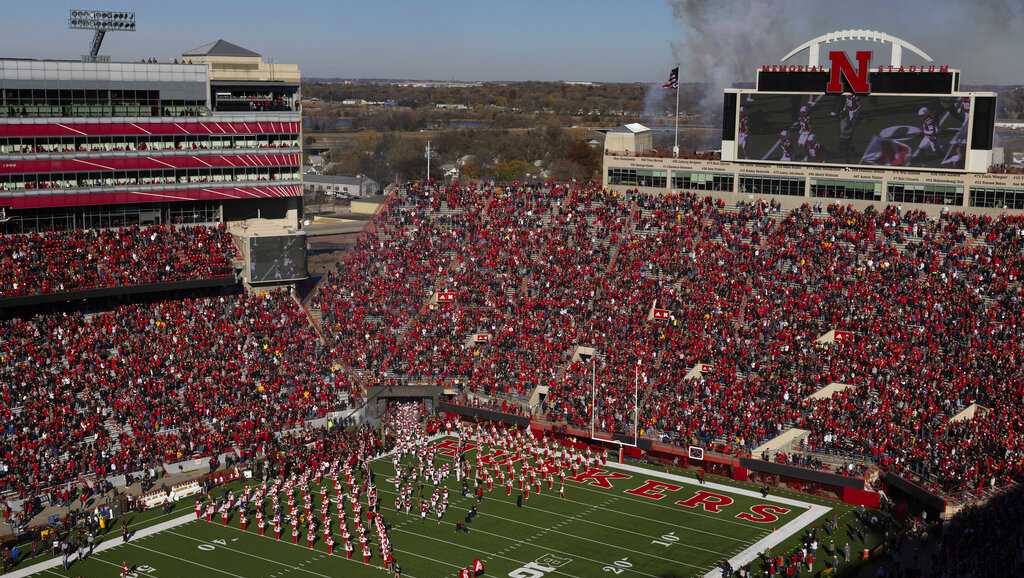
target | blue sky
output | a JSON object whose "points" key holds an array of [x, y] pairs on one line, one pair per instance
{"points": [[600, 40]]}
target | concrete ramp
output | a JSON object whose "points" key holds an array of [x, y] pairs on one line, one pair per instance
{"points": [[828, 391], [582, 352], [969, 413], [782, 441], [699, 371], [535, 396], [833, 336]]}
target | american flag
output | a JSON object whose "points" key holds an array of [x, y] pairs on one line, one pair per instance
{"points": [[673, 79]]}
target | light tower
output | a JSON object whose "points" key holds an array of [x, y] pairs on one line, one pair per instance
{"points": [[101, 21]]}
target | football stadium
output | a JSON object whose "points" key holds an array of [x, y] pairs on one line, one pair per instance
{"points": [[797, 355]]}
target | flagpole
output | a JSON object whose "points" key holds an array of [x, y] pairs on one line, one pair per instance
{"points": [[675, 149], [636, 401]]}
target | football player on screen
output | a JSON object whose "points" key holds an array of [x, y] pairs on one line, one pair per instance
{"points": [[929, 143]]}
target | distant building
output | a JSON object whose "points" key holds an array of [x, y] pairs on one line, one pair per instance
{"points": [[317, 161], [241, 82], [357, 186], [232, 62], [633, 138], [214, 138], [103, 144]]}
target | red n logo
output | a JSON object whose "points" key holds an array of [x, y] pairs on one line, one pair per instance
{"points": [[840, 64]]}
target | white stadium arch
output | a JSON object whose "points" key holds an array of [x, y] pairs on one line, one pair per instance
{"points": [[898, 44]]}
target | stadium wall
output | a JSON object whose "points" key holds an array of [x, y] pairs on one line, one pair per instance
{"points": [[985, 193], [30, 300], [473, 413], [849, 490]]}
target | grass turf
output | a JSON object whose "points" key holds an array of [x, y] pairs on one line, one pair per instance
{"points": [[591, 532]]}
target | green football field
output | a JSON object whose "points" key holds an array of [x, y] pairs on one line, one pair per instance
{"points": [[598, 528]]}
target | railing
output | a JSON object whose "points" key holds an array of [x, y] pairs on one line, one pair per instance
{"points": [[660, 154], [149, 152], [149, 187]]}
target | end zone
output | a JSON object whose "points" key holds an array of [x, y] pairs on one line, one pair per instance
{"points": [[747, 555]]}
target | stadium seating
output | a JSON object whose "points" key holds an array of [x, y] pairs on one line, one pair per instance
{"points": [[65, 261], [147, 384], [492, 289]]}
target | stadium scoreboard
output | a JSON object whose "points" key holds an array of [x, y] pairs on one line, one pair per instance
{"points": [[853, 115], [277, 258]]}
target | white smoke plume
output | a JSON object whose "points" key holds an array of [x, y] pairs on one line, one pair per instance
{"points": [[721, 42]]}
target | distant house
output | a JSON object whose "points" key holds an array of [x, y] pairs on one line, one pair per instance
{"points": [[633, 138], [338, 185]]}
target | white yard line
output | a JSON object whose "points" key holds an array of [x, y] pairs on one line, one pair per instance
{"points": [[577, 518], [103, 546], [772, 539], [758, 527], [625, 549], [497, 555], [354, 560], [111, 542], [186, 560], [271, 560]]}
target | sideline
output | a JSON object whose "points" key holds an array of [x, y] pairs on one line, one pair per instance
{"points": [[104, 546]]}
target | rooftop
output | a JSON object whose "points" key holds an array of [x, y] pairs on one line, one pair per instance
{"points": [[221, 47]]}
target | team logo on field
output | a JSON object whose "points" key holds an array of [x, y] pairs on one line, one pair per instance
{"points": [[539, 567]]}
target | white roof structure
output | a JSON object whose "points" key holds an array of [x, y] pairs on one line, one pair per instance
{"points": [[635, 127], [221, 47], [898, 44]]}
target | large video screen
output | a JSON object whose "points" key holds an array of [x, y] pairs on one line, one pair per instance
{"points": [[280, 258], [879, 130]]}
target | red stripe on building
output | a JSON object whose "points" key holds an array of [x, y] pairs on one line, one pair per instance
{"points": [[126, 129], [41, 199], [84, 164]]}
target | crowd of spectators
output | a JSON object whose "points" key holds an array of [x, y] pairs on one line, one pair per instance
{"points": [[981, 540], [114, 392], [929, 311], [492, 290], [1006, 169], [64, 261]]}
